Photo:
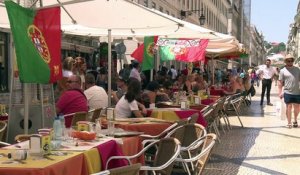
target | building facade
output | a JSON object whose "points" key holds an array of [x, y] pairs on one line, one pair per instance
{"points": [[293, 44]]}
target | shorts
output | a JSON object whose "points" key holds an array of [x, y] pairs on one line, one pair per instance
{"points": [[289, 98]]}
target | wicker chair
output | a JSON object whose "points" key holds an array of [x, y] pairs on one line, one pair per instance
{"points": [[79, 116], [199, 153], [125, 170], [3, 128], [193, 118], [168, 150], [22, 137], [96, 114]]}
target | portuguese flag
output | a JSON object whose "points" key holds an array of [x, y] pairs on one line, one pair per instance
{"points": [[37, 40], [186, 50], [148, 60]]}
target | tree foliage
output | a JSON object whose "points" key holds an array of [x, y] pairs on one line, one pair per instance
{"points": [[274, 48]]}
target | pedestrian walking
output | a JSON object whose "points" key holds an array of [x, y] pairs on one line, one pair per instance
{"points": [[267, 73], [289, 79]]}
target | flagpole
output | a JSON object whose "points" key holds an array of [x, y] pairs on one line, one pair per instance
{"points": [[109, 68], [26, 107]]}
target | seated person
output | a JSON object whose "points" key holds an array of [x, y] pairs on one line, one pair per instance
{"points": [[199, 84], [178, 84], [150, 93], [237, 85], [121, 89], [128, 106], [73, 100], [188, 83], [154, 94]]}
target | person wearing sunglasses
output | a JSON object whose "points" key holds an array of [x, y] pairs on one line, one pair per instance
{"points": [[72, 100], [288, 88]]}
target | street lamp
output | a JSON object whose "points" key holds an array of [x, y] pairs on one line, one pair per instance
{"points": [[202, 18]]}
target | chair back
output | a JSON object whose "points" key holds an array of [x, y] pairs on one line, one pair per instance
{"points": [[3, 128], [193, 118], [124, 170], [206, 149], [192, 130], [199, 154], [96, 114], [167, 152], [78, 116], [22, 137], [93, 160]]}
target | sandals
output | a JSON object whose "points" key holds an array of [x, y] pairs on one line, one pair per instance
{"points": [[289, 126], [295, 124]]}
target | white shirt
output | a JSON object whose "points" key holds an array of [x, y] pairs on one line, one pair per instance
{"points": [[134, 73], [124, 109], [97, 97], [267, 72], [174, 73], [67, 73]]}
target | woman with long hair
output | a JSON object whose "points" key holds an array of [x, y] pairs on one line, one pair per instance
{"points": [[128, 106]]}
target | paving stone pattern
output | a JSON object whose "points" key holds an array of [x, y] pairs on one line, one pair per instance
{"points": [[264, 146]]}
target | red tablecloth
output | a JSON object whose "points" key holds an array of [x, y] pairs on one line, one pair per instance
{"points": [[109, 149]]}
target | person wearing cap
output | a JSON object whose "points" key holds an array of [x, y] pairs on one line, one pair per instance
{"points": [[267, 73], [288, 88]]}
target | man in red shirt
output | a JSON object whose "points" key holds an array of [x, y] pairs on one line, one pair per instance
{"points": [[73, 100]]}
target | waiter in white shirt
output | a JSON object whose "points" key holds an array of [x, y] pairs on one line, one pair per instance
{"points": [[266, 72]]}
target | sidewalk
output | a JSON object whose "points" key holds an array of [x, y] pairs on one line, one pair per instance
{"points": [[264, 146]]}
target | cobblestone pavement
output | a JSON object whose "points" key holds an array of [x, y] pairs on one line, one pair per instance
{"points": [[264, 146]]}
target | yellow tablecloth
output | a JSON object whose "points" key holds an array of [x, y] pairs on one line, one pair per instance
{"points": [[70, 163]]}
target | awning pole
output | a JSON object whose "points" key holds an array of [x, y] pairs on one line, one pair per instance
{"points": [[109, 68]]}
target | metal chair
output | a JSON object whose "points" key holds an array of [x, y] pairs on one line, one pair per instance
{"points": [[96, 114], [199, 153], [79, 116], [168, 150], [193, 118], [188, 133], [125, 170], [3, 128], [22, 137]]}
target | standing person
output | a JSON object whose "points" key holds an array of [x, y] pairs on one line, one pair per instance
{"points": [[174, 73], [96, 95], [289, 79], [266, 72], [134, 73]]}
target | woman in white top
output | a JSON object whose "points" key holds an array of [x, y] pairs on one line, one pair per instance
{"points": [[127, 106]]}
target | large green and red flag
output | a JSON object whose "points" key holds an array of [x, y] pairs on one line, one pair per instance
{"points": [[186, 50], [37, 39], [149, 47]]}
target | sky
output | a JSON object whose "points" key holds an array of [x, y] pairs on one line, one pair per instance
{"points": [[273, 17]]}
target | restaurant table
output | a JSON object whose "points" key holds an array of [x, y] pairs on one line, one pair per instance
{"points": [[175, 114], [147, 125], [73, 160], [70, 163]]}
